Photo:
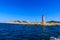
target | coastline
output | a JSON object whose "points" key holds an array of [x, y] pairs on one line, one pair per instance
{"points": [[38, 24]]}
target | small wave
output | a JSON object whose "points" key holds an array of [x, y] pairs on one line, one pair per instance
{"points": [[55, 38]]}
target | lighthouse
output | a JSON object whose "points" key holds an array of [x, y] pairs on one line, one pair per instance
{"points": [[43, 23]]}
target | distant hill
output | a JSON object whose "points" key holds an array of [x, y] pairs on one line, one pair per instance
{"points": [[17, 21], [53, 21], [20, 21]]}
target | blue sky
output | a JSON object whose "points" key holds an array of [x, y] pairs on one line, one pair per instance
{"points": [[29, 10]]}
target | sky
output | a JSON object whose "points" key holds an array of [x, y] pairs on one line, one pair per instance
{"points": [[29, 10]]}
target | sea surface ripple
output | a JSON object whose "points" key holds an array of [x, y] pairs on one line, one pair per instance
{"points": [[27, 32]]}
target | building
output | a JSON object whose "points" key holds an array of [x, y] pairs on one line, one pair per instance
{"points": [[43, 22]]}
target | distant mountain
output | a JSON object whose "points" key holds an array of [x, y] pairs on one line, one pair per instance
{"points": [[20, 21], [17, 21], [25, 21], [53, 21]]}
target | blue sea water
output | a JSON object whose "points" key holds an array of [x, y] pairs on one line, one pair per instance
{"points": [[27, 32]]}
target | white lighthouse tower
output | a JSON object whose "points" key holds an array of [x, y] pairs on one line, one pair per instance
{"points": [[43, 22]]}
